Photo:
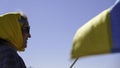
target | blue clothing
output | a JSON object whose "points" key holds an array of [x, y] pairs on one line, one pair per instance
{"points": [[9, 58]]}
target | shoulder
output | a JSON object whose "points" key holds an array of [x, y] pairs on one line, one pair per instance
{"points": [[4, 49], [8, 56], [7, 53]]}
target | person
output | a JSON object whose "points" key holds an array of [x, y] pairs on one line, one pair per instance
{"points": [[14, 33]]}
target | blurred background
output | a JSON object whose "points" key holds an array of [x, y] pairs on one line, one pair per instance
{"points": [[53, 24]]}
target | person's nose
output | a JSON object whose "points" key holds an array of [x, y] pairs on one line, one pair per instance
{"points": [[29, 35]]}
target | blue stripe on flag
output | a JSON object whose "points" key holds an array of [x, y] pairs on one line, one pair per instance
{"points": [[114, 50], [115, 26]]}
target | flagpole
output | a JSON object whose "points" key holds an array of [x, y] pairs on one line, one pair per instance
{"points": [[74, 62]]}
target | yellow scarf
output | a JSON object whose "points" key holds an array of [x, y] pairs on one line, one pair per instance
{"points": [[10, 29]]}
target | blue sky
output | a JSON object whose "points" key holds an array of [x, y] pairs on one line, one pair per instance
{"points": [[53, 25]]}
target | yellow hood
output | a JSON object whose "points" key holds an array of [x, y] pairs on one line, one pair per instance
{"points": [[10, 29]]}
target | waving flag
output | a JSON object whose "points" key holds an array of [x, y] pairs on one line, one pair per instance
{"points": [[100, 35]]}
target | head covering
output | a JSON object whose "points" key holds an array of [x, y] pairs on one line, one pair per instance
{"points": [[10, 29]]}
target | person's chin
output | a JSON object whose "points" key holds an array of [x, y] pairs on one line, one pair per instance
{"points": [[24, 46]]}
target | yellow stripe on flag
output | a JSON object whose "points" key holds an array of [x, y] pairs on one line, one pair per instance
{"points": [[94, 37]]}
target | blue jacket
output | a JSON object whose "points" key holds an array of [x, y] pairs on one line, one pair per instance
{"points": [[9, 58]]}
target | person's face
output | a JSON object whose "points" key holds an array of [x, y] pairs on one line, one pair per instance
{"points": [[25, 32]]}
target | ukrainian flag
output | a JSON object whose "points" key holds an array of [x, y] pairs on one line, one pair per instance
{"points": [[101, 35]]}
